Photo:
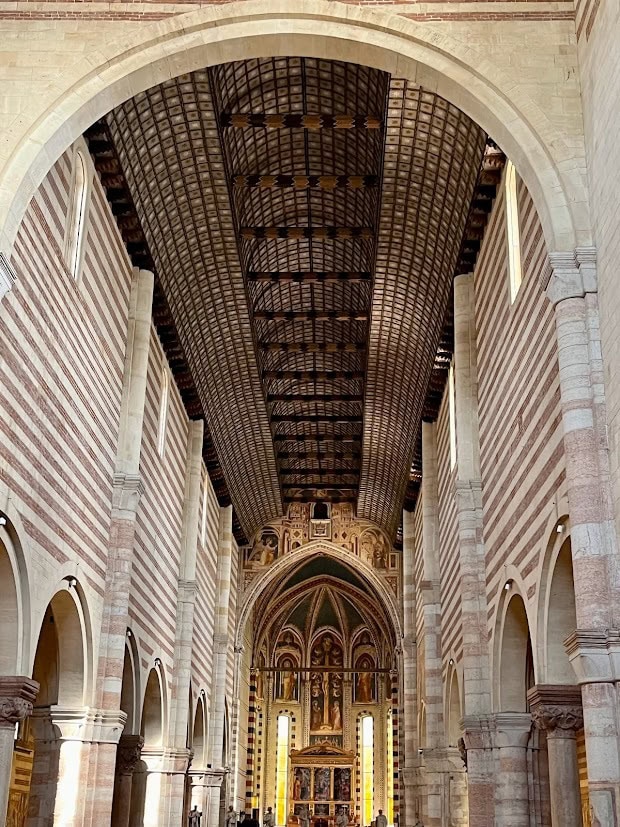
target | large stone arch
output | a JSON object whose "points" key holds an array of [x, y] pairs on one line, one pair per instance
{"points": [[546, 158], [279, 569]]}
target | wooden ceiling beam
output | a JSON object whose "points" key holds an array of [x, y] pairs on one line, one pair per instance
{"points": [[313, 486], [275, 418], [313, 347], [311, 315], [323, 472], [346, 439], [272, 233], [259, 120], [312, 397], [308, 498], [337, 456], [314, 375], [305, 182], [309, 277]]}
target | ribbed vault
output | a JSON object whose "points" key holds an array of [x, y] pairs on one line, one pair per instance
{"points": [[304, 217]]}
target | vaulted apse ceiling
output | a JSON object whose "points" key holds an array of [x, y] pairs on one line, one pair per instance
{"points": [[304, 218]]}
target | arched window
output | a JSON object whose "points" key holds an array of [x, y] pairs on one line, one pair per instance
{"points": [[76, 219], [282, 751], [367, 747], [512, 226], [163, 412]]}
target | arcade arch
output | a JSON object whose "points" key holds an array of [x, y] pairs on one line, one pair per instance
{"points": [[238, 31], [515, 660]]}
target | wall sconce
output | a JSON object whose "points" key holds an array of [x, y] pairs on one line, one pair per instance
{"points": [[508, 585], [2, 520], [129, 633], [560, 528], [451, 662], [157, 662], [71, 582]]}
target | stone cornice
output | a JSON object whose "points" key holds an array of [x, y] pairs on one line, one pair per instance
{"points": [[594, 655], [556, 708], [127, 489], [570, 275]]}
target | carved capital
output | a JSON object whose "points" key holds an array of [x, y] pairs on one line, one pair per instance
{"points": [[17, 696], [128, 753], [559, 720], [556, 709]]}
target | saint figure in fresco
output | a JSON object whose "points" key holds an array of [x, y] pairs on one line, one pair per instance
{"points": [[363, 689], [336, 716], [321, 784], [289, 682]]}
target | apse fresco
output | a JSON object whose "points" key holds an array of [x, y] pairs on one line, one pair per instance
{"points": [[336, 523]]}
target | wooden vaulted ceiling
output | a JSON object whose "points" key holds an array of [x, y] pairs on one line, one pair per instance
{"points": [[304, 219]]}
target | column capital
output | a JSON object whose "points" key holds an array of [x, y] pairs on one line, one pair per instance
{"points": [[127, 489], [128, 753], [478, 731], [594, 655], [17, 696], [570, 275], [556, 708], [512, 729]]}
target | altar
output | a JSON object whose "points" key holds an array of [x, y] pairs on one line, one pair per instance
{"points": [[320, 786]]}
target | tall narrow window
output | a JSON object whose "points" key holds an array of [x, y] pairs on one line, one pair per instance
{"points": [[282, 750], [76, 219], [163, 412], [205, 510], [367, 767], [452, 415], [390, 769], [512, 225]]}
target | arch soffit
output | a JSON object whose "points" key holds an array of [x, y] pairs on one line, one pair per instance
{"points": [[546, 571], [137, 61], [134, 660], [503, 603], [9, 538], [77, 595], [281, 567], [376, 623]]}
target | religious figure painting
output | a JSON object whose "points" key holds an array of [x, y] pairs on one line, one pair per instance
{"points": [[301, 784], [342, 784], [265, 548], [321, 784], [288, 681], [321, 810], [365, 681]]}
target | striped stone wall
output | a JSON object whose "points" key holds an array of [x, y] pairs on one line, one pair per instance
{"points": [[521, 449]]}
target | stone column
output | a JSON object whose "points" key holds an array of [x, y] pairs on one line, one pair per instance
{"points": [[431, 629], [513, 799], [595, 646], [478, 727], [127, 489], [221, 645], [557, 711], [186, 601], [17, 696], [410, 771], [127, 757]]}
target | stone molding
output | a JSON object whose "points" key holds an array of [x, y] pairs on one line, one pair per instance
{"points": [[556, 709], [188, 590], [84, 724], [512, 729], [570, 275], [17, 697], [478, 731], [8, 276], [127, 489], [594, 655], [128, 753], [166, 760]]}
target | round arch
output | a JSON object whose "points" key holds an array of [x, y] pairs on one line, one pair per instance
{"points": [[513, 655], [154, 709], [283, 565], [14, 604], [130, 687], [255, 28]]}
